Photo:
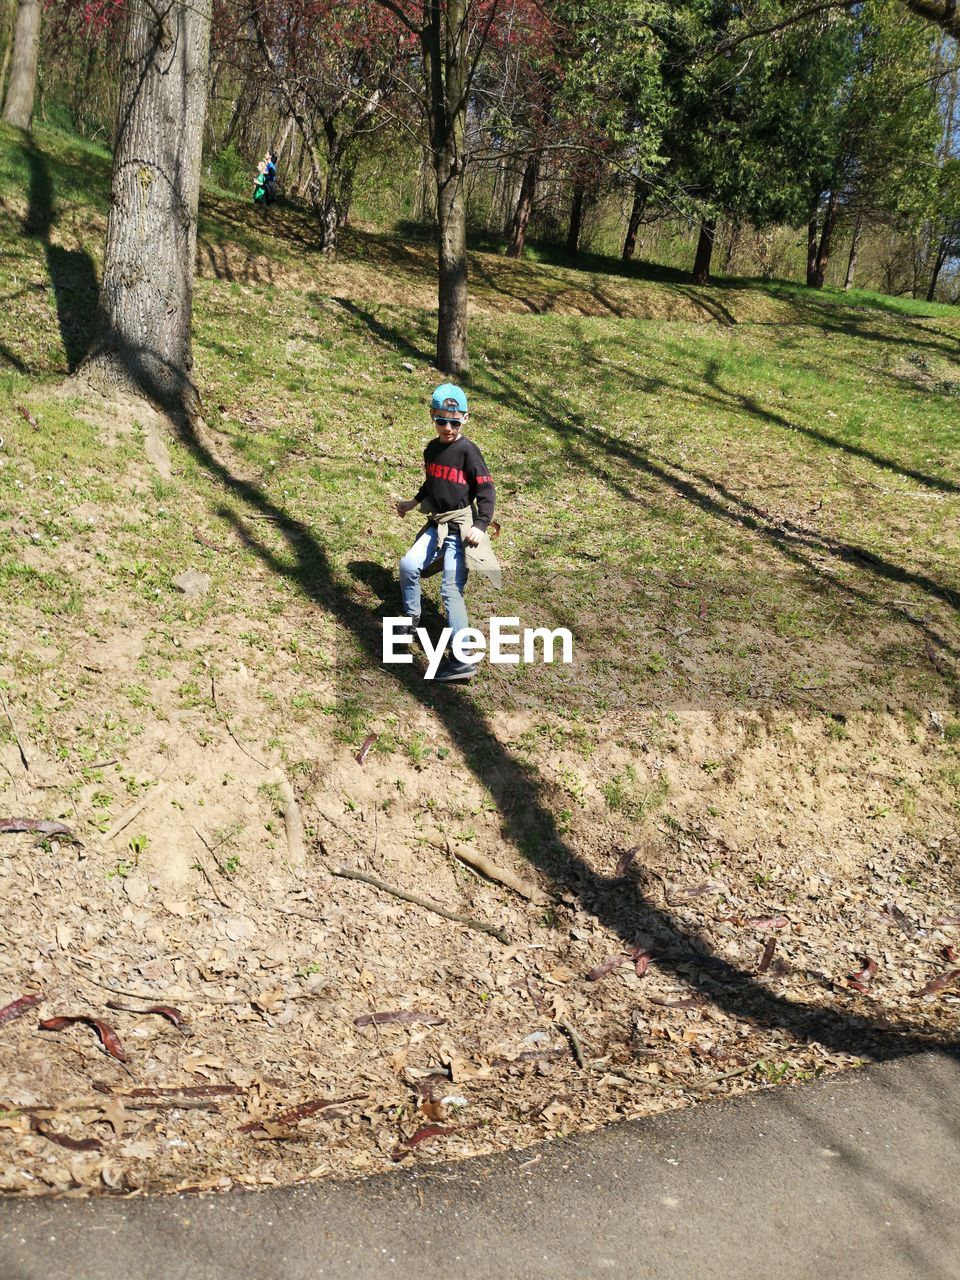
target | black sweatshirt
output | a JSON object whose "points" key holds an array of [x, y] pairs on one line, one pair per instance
{"points": [[457, 476]]}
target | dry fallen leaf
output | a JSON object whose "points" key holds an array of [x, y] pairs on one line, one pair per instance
{"points": [[116, 1115], [560, 974]]}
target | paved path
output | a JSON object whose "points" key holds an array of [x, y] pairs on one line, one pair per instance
{"points": [[856, 1177]]}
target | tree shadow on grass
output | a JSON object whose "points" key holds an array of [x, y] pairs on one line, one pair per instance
{"points": [[591, 448], [584, 443], [391, 337], [72, 272], [736, 401], [12, 358], [747, 404]]}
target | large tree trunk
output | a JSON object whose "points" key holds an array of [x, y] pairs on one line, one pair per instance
{"points": [[854, 253], [937, 268], [636, 215], [333, 207], [578, 208], [701, 265], [444, 46], [521, 214], [826, 237], [452, 355], [18, 108], [146, 298]]}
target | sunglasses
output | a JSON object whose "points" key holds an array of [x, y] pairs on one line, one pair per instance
{"points": [[448, 422]]}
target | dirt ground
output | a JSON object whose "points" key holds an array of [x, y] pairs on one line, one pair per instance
{"points": [[252, 1018], [324, 1026]]}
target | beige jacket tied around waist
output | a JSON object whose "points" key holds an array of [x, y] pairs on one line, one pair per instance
{"points": [[480, 558]]}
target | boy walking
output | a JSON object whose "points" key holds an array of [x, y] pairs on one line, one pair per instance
{"points": [[458, 498]]}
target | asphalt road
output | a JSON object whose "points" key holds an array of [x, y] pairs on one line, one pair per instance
{"points": [[857, 1176]]}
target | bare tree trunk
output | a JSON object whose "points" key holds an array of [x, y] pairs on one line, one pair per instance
{"points": [[291, 150], [701, 265], [444, 46], [521, 215], [826, 237], [277, 147], [425, 196], [731, 247], [812, 249], [302, 186], [509, 197], [333, 207], [854, 252], [452, 355], [18, 108], [937, 268], [9, 25], [501, 204], [81, 89], [636, 215], [241, 110], [577, 211], [146, 299]]}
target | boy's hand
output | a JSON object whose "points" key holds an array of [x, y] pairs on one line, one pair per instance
{"points": [[405, 505], [474, 537]]}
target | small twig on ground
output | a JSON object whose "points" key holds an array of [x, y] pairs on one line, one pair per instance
{"points": [[293, 821], [726, 1075], [16, 735], [574, 1039], [128, 815], [427, 903], [343, 830], [226, 724], [154, 998], [263, 906], [178, 1104], [498, 874], [205, 872], [624, 1073], [291, 911]]}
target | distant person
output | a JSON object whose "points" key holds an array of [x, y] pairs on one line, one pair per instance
{"points": [[270, 161], [260, 185]]}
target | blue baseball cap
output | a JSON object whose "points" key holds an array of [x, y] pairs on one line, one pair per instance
{"points": [[447, 396]]}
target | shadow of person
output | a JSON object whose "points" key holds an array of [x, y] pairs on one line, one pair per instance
{"points": [[384, 584]]}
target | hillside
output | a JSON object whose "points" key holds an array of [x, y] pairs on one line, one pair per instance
{"points": [[742, 500]]}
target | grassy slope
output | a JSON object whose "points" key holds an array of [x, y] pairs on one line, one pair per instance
{"points": [[742, 499], [790, 460]]}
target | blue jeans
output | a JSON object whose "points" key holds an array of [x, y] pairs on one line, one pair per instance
{"points": [[452, 582]]}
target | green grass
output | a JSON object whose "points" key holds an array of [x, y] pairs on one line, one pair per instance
{"points": [[733, 495]]}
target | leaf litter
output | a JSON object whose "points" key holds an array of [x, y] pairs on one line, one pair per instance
{"points": [[358, 1034]]}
